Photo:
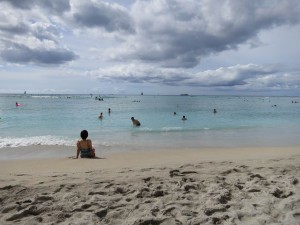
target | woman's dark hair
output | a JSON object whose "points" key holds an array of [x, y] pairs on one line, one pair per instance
{"points": [[84, 134]]}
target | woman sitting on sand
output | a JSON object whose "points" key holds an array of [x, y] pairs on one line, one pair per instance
{"points": [[84, 146]]}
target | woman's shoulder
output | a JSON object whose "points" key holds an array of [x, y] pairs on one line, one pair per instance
{"points": [[88, 141]]}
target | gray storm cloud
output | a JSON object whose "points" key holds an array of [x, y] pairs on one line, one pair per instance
{"points": [[28, 37], [158, 41], [18, 53], [175, 33], [53, 6], [110, 17]]}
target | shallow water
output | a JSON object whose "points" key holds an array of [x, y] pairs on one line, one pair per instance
{"points": [[239, 121]]}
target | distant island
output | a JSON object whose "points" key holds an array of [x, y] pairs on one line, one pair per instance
{"points": [[184, 94]]}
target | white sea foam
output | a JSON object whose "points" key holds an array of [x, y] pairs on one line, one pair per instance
{"points": [[36, 140], [168, 129], [163, 129], [44, 96]]}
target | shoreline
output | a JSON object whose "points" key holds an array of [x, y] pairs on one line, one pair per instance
{"points": [[137, 139], [65, 161], [190, 186], [40, 152]]}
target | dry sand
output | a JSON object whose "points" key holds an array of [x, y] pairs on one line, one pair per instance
{"points": [[212, 186]]}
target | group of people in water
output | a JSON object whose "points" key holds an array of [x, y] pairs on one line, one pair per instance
{"points": [[101, 114], [84, 146], [184, 118], [135, 122]]}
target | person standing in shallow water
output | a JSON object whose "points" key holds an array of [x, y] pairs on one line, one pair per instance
{"points": [[135, 122], [84, 146], [100, 116]]}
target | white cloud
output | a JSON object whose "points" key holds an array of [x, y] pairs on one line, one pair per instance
{"points": [[157, 42], [236, 77]]}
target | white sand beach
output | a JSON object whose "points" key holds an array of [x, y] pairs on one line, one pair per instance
{"points": [[193, 187]]}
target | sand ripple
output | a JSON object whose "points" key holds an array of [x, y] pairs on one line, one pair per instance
{"points": [[193, 194]]}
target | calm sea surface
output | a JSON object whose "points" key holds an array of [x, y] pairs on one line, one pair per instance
{"points": [[239, 121]]}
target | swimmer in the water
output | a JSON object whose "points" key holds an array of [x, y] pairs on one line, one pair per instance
{"points": [[135, 122]]}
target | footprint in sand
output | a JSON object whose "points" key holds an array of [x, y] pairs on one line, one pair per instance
{"points": [[30, 210]]}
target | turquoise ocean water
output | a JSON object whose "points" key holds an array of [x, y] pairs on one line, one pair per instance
{"points": [[239, 121]]}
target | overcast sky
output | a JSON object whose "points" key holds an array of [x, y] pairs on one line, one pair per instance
{"points": [[153, 46]]}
